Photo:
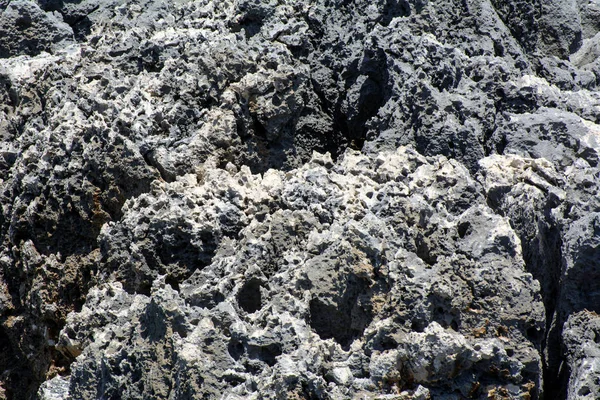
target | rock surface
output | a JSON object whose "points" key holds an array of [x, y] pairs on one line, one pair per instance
{"points": [[280, 199]]}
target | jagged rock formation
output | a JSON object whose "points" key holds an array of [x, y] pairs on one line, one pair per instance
{"points": [[281, 199]]}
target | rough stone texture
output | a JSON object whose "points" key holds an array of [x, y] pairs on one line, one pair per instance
{"points": [[26, 29], [581, 337], [335, 291], [288, 199]]}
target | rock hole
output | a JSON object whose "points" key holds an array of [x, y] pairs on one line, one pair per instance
{"points": [[267, 354], [423, 251], [236, 349], [498, 49], [144, 287], [463, 229], [588, 184], [23, 23], [393, 9], [418, 326], [533, 334], [180, 326], [181, 249], [249, 297], [344, 316], [454, 325], [329, 322], [169, 280], [234, 380], [584, 391], [251, 25]]}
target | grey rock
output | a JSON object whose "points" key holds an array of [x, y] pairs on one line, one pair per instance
{"points": [[554, 215], [56, 388], [171, 226], [344, 271], [580, 252], [581, 339], [560, 27], [589, 12], [557, 136], [26, 29]]}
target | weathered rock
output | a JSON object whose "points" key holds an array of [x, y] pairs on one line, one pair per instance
{"points": [[328, 284], [589, 12], [26, 29], [580, 335], [169, 225], [560, 27]]}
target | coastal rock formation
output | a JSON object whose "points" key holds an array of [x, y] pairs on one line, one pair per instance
{"points": [[325, 282], [286, 199]]}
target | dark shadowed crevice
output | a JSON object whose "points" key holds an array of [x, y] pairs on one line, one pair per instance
{"points": [[236, 349], [76, 17], [542, 252], [342, 318], [367, 83], [424, 249], [154, 322], [16, 378], [172, 281], [267, 354], [464, 228], [250, 17], [578, 292], [521, 18], [329, 322], [249, 297], [175, 246], [394, 9], [249, 24], [81, 25]]}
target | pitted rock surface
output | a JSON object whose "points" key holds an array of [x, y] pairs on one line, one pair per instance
{"points": [[336, 291], [287, 199]]}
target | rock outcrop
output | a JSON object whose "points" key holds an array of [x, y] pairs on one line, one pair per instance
{"points": [[286, 199]]}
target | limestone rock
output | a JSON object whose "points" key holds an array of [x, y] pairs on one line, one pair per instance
{"points": [[581, 339], [26, 29], [322, 280], [288, 199]]}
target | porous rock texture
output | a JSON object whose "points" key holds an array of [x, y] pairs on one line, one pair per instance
{"points": [[334, 199]]}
